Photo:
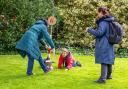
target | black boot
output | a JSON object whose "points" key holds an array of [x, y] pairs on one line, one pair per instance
{"points": [[109, 77], [30, 74], [101, 81]]}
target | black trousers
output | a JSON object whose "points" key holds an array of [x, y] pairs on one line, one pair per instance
{"points": [[106, 71]]}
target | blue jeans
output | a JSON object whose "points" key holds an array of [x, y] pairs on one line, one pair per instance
{"points": [[31, 63], [74, 64]]}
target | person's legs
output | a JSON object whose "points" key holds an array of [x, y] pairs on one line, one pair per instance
{"points": [[109, 71], [42, 64], [103, 71], [76, 63], [30, 65], [103, 76]]}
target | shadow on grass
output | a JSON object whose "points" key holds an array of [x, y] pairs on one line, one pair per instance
{"points": [[10, 77]]}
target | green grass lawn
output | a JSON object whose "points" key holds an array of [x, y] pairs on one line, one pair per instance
{"points": [[13, 75]]}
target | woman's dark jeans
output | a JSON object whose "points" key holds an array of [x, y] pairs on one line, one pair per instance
{"points": [[106, 70], [31, 63]]}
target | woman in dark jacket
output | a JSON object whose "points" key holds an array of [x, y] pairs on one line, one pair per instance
{"points": [[104, 51], [29, 44]]}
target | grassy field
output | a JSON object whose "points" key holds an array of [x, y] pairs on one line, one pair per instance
{"points": [[13, 75]]}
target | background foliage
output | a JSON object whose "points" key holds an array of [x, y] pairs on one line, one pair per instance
{"points": [[79, 14], [20, 15], [73, 18]]}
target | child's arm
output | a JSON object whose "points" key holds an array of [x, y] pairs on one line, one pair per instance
{"points": [[48, 49], [70, 62]]}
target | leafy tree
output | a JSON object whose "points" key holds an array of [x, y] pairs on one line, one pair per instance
{"points": [[79, 14], [20, 14]]}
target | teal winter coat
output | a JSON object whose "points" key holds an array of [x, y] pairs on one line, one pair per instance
{"points": [[29, 43]]}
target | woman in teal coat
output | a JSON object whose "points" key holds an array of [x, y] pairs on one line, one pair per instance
{"points": [[29, 44]]}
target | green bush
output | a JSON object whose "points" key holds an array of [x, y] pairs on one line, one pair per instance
{"points": [[20, 15], [73, 17], [79, 14]]}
